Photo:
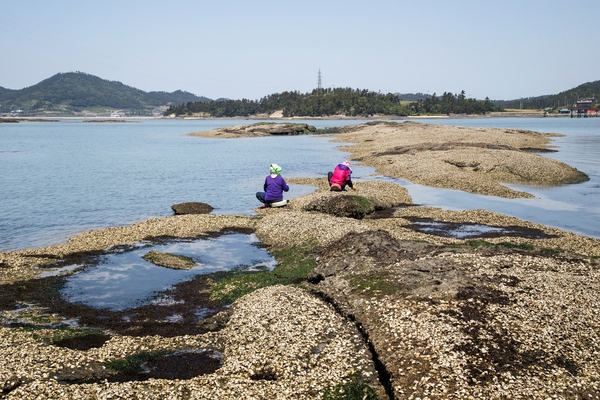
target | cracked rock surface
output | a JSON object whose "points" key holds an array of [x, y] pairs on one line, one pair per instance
{"points": [[469, 324]]}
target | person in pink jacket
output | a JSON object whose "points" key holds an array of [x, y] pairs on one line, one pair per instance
{"points": [[340, 177]]}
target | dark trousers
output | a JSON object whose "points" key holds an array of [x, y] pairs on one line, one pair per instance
{"points": [[261, 197]]}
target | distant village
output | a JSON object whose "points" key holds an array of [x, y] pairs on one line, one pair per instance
{"points": [[156, 112]]}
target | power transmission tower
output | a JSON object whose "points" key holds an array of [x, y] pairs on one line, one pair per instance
{"points": [[319, 82]]}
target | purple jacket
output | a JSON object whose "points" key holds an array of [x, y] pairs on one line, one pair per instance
{"points": [[274, 188]]}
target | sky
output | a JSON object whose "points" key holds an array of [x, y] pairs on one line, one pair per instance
{"points": [[252, 48]]}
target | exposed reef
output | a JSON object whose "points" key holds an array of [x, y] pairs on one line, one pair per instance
{"points": [[369, 298]]}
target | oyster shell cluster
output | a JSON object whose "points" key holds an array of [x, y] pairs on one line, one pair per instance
{"points": [[442, 317]]}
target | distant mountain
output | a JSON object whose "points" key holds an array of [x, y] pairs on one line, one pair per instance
{"points": [[563, 99], [76, 91]]}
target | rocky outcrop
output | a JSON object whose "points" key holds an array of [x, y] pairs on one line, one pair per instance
{"points": [[191, 208], [345, 206], [475, 160], [370, 197], [365, 251], [491, 321], [257, 130], [168, 260], [282, 129]]}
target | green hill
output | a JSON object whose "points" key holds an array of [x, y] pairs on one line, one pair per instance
{"points": [[72, 92], [563, 99]]}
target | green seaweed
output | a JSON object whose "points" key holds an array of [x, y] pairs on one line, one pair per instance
{"points": [[294, 265], [355, 389], [56, 334], [362, 202], [522, 246], [478, 243], [376, 284]]}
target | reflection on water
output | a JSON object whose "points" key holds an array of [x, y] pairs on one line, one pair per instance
{"points": [[459, 232], [561, 207], [470, 230], [125, 280]]}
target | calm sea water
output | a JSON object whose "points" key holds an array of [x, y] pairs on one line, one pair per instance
{"points": [[61, 178]]}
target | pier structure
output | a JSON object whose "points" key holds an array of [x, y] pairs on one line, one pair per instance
{"points": [[585, 108]]}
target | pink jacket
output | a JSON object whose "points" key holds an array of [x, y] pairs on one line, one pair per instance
{"points": [[341, 174]]}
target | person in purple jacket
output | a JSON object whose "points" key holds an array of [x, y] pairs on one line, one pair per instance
{"points": [[273, 188]]}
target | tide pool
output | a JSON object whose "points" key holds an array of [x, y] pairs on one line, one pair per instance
{"points": [[124, 280]]}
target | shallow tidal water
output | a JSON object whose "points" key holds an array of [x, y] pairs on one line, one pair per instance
{"points": [[62, 178]]}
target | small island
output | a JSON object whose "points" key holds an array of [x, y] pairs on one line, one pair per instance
{"points": [[259, 129]]}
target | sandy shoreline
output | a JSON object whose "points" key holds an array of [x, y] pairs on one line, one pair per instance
{"points": [[444, 317]]}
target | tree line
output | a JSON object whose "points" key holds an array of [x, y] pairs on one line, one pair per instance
{"points": [[337, 101]]}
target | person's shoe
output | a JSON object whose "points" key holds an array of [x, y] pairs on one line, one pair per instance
{"points": [[264, 206], [281, 203]]}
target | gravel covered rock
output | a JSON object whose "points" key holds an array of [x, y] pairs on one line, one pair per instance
{"points": [[191, 208], [475, 160], [268, 352], [467, 325], [167, 260], [350, 206]]}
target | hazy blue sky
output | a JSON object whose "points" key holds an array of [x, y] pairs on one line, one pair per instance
{"points": [[250, 48]]}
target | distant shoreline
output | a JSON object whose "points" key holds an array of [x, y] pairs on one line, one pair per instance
{"points": [[269, 118]]}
